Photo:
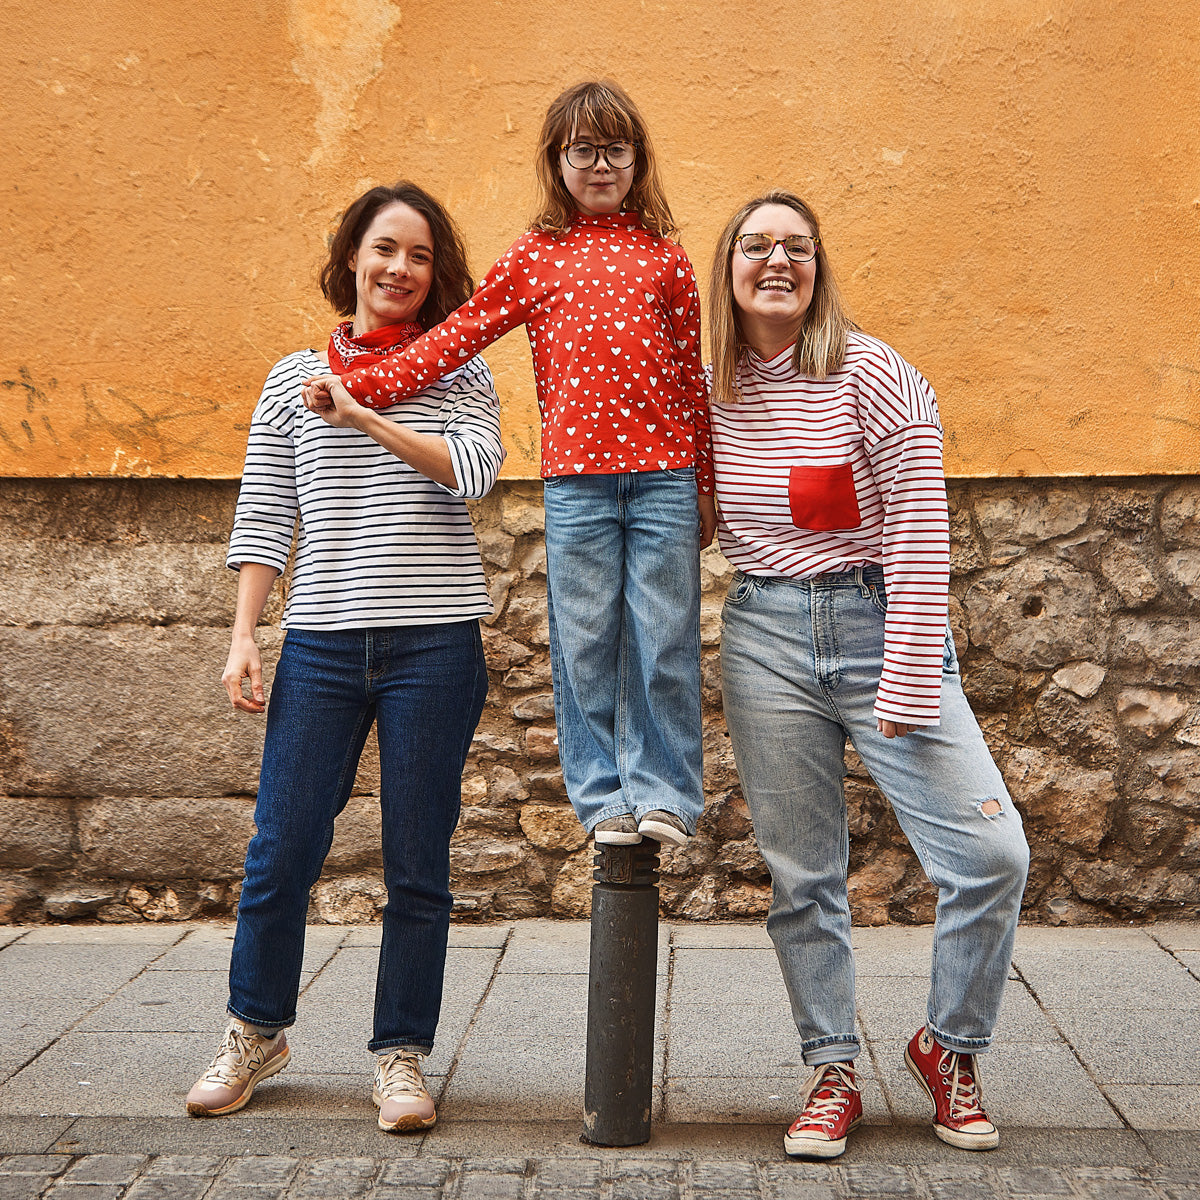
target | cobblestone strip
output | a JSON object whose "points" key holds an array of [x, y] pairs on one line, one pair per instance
{"points": [[210, 1177]]}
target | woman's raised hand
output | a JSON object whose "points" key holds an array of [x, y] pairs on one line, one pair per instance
{"points": [[318, 392]]}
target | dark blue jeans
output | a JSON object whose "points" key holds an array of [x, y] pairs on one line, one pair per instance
{"points": [[425, 685]]}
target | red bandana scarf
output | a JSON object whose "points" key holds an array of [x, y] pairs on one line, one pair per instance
{"points": [[348, 353]]}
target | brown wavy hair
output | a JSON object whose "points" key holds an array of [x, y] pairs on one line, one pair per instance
{"points": [[452, 283], [606, 109], [821, 341]]}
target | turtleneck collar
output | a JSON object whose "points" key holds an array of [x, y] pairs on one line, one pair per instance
{"points": [[778, 367], [617, 220]]}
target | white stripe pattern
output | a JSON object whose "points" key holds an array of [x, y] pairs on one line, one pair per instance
{"points": [[378, 543], [878, 416]]}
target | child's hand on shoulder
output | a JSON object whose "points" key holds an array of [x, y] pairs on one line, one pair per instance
{"points": [[317, 392]]}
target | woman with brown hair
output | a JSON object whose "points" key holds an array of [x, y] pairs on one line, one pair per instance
{"points": [[382, 621]]}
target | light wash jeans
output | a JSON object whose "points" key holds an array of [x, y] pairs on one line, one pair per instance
{"points": [[623, 586], [424, 685], [800, 662]]}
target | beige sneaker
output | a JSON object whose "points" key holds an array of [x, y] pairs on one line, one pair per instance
{"points": [[618, 831], [663, 827], [400, 1093], [244, 1059]]}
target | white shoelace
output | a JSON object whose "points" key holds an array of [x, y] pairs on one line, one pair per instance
{"points": [[400, 1074], [966, 1097], [837, 1081]]}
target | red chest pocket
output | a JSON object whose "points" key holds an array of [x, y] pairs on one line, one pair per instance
{"points": [[823, 498]]}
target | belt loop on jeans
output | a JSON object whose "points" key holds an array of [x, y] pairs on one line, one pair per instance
{"points": [[863, 589]]}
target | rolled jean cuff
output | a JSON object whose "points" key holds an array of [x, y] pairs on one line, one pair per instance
{"points": [[842, 1048], [389, 1044], [956, 1044], [256, 1021], [607, 813]]}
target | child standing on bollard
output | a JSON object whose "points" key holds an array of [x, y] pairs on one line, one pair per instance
{"points": [[613, 317]]}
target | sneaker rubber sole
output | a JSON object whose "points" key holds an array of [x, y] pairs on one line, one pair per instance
{"points": [[802, 1147], [614, 837], [952, 1137], [408, 1123], [660, 831], [271, 1067]]}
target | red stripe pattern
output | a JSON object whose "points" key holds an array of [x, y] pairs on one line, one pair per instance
{"points": [[832, 474]]}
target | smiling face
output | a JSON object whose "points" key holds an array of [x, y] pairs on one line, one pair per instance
{"points": [[772, 295], [601, 188], [393, 268]]}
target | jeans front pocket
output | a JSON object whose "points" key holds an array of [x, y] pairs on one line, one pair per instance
{"points": [[823, 498], [741, 589]]}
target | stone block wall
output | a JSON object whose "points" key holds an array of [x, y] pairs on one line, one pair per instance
{"points": [[126, 783]]}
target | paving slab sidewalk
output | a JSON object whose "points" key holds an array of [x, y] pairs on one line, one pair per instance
{"points": [[103, 1029]]}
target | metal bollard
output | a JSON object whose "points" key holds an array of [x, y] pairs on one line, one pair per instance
{"points": [[622, 976]]}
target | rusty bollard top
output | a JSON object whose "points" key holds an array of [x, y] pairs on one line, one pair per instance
{"points": [[634, 866]]}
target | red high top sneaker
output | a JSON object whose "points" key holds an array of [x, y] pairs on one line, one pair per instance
{"points": [[832, 1107], [951, 1082]]}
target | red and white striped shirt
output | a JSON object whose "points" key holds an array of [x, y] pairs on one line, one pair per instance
{"points": [[817, 475], [614, 323]]}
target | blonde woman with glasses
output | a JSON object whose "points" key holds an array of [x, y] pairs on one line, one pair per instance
{"points": [[828, 456]]}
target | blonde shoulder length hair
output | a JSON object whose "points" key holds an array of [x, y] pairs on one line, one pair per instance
{"points": [[605, 108], [821, 341]]}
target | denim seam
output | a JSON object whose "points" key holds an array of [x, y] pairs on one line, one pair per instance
{"points": [[368, 715], [621, 732], [837, 1039], [825, 646], [620, 809], [386, 1044], [922, 852], [287, 1023], [480, 692], [956, 1044]]}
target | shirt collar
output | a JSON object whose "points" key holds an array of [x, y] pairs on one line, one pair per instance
{"points": [[619, 220], [779, 367]]}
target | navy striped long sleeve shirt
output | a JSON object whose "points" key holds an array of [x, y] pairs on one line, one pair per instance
{"points": [[378, 543]]}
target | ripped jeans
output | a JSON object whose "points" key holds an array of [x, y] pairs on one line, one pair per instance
{"points": [[800, 663]]}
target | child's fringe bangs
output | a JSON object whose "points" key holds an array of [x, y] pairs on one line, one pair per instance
{"points": [[603, 115]]}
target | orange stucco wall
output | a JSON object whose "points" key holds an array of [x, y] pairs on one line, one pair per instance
{"points": [[1008, 189]]}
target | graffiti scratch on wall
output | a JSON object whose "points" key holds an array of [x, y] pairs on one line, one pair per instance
{"points": [[46, 425]]}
